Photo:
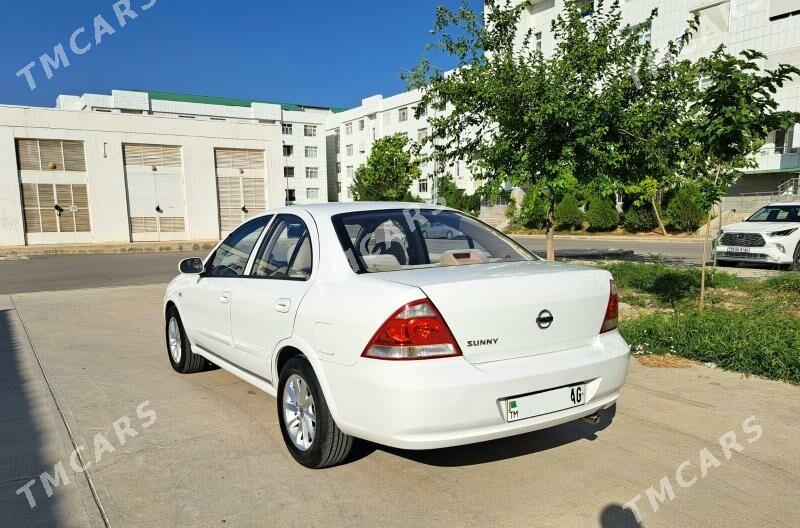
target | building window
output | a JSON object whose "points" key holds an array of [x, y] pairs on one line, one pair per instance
{"points": [[310, 130], [423, 186], [290, 196], [423, 111], [348, 129], [350, 171], [349, 150], [312, 193], [714, 21], [288, 150], [311, 152], [402, 115], [312, 172], [338, 168], [361, 125], [537, 41], [338, 187], [780, 9], [362, 147], [287, 129], [288, 172], [422, 133]]}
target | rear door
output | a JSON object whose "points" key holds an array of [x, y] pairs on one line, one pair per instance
{"points": [[265, 304]]}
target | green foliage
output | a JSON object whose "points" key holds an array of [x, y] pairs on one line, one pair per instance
{"points": [[533, 213], [668, 284], [684, 211], [511, 209], [388, 173], [602, 215], [783, 283], [756, 340], [640, 219], [568, 213], [451, 196]]}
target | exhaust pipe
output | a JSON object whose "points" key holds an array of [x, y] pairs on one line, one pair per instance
{"points": [[592, 419]]}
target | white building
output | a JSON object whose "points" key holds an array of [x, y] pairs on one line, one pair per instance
{"points": [[769, 26], [352, 133], [138, 166]]}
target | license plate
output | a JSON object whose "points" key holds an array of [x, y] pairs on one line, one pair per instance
{"points": [[545, 402], [732, 249]]}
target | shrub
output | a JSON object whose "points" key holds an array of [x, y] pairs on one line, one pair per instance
{"points": [[602, 214], [533, 213], [755, 340], [568, 213], [684, 211], [640, 219], [511, 209]]}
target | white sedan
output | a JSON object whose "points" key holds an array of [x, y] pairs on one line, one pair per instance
{"points": [[361, 329], [771, 235]]}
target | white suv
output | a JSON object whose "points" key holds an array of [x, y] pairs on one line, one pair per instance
{"points": [[364, 328], [771, 235]]}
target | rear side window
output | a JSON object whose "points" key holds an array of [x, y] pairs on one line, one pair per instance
{"points": [[401, 239], [286, 252]]}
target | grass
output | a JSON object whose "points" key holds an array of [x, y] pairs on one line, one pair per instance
{"points": [[750, 325]]}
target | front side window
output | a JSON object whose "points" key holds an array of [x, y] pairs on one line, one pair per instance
{"points": [[777, 213], [405, 239], [286, 252], [230, 258]]}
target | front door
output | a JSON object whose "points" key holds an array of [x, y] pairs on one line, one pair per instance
{"points": [[206, 305], [264, 306]]}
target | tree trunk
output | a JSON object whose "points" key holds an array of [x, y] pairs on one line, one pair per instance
{"points": [[705, 251], [551, 251], [658, 217]]}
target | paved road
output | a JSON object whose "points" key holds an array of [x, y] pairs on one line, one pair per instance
{"points": [[214, 455], [66, 272]]}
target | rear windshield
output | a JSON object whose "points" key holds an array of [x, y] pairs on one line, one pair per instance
{"points": [[402, 239]]}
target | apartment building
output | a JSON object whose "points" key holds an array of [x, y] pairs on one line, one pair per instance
{"points": [[351, 134], [769, 26]]}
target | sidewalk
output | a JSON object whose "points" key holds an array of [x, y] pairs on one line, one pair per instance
{"points": [[91, 249]]}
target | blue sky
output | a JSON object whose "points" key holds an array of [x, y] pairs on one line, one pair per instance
{"points": [[311, 52]]}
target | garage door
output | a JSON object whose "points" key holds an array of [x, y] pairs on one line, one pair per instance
{"points": [[156, 199], [55, 196], [240, 186]]}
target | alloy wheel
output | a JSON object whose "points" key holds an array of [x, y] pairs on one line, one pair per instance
{"points": [[174, 339], [299, 416]]}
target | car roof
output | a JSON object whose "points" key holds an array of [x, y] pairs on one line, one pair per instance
{"points": [[327, 210], [796, 204]]}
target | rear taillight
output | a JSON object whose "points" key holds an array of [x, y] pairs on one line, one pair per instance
{"points": [[610, 321], [415, 331]]}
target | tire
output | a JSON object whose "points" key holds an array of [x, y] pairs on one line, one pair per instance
{"points": [[183, 361], [795, 265], [326, 446]]}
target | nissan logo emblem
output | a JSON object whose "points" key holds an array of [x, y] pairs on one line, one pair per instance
{"points": [[544, 320]]}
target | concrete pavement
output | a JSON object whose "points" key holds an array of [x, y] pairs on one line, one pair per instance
{"points": [[214, 456]]}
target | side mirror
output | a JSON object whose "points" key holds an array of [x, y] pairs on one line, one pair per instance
{"points": [[191, 266]]}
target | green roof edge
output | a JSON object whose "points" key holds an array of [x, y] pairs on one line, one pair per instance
{"points": [[229, 101]]}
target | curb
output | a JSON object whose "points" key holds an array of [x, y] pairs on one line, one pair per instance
{"points": [[7, 253]]}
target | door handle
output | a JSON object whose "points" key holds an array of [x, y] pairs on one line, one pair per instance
{"points": [[225, 298], [283, 305]]}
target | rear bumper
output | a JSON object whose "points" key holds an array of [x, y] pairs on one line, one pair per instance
{"points": [[448, 402]]}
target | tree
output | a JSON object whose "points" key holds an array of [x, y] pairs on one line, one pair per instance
{"points": [[728, 122], [452, 196], [546, 124], [388, 173]]}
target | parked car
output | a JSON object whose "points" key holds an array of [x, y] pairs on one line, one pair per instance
{"points": [[342, 313], [440, 230], [771, 235]]}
